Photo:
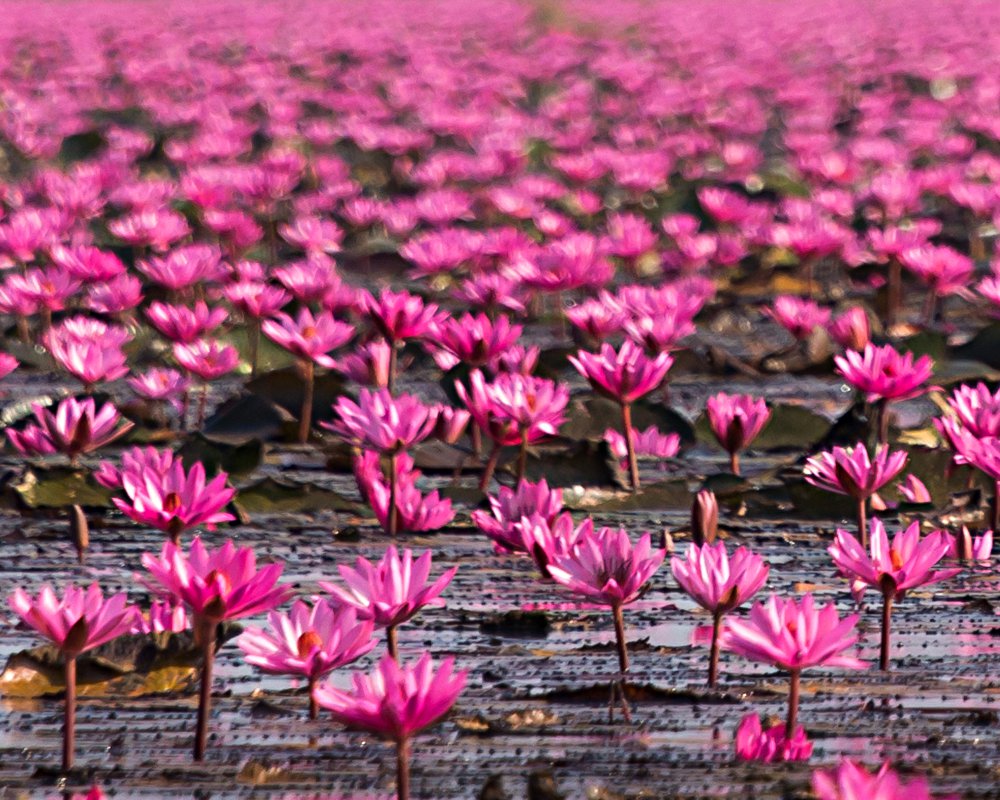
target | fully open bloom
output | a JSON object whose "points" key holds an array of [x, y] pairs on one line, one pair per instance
{"points": [[180, 323], [398, 504], [307, 336], [379, 421], [799, 316], [719, 583], [882, 373], [310, 641], [173, 499], [207, 358], [391, 591], [891, 569]]}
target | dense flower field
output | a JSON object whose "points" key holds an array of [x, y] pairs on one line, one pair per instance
{"points": [[464, 399]]}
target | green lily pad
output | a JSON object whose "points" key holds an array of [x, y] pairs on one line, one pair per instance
{"points": [[789, 426], [269, 496], [58, 487], [672, 494], [587, 418], [216, 455]]}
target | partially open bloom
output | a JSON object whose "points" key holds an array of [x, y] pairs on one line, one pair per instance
{"points": [[400, 316], [624, 375], [882, 373], [163, 617], [395, 701], [471, 340], [977, 409], [76, 427], [852, 329], [414, 511], [161, 384], [510, 505], [767, 745], [965, 547], [914, 490], [174, 500], [80, 620], [180, 323], [368, 364], [736, 420], [308, 337], [851, 781], [852, 471], [797, 315], [547, 540], [89, 350], [719, 583]]}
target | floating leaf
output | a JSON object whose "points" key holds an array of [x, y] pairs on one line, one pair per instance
{"points": [[58, 487], [216, 455], [269, 496], [248, 417], [285, 388]]}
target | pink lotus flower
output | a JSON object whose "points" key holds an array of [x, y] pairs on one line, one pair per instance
{"points": [[914, 490], [214, 585], [793, 637], [509, 506], [624, 376], [597, 318], [163, 617], [396, 702], [604, 567], [719, 583], [115, 296], [310, 280], [704, 517], [964, 547], [884, 375], [7, 364], [368, 365], [547, 540], [893, 570], [852, 329], [180, 323], [851, 471], [649, 443], [754, 743], [141, 461], [209, 359], [255, 299], [513, 409], [942, 270], [660, 332], [399, 317], [79, 621], [471, 340], [736, 420], [413, 511], [851, 781], [799, 316], [389, 592], [310, 641], [89, 350], [173, 500], [157, 229], [160, 384], [977, 409], [76, 427]]}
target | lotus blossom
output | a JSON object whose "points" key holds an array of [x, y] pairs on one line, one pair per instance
{"points": [[719, 583], [162, 617], [175, 500], [89, 350], [509, 506], [884, 375], [851, 781], [799, 316], [214, 585], [852, 471], [624, 376], [75, 428], [368, 365], [399, 317], [161, 384], [964, 547], [649, 443], [80, 620], [180, 323], [793, 637], [513, 409], [310, 640], [755, 743], [475, 341], [977, 409], [389, 592], [604, 567], [736, 420], [398, 505], [851, 329], [396, 702], [893, 570]]}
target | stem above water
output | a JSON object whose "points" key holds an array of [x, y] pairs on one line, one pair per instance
{"points": [[490, 467], [305, 416], [393, 519], [403, 769], [713, 663], [69, 713], [887, 601], [793, 703], [205, 694], [863, 523], [633, 461], [392, 642]]}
